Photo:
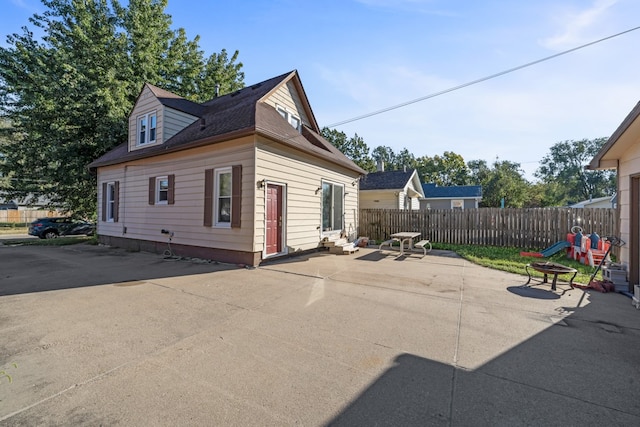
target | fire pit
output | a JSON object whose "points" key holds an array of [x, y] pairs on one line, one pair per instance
{"points": [[548, 267]]}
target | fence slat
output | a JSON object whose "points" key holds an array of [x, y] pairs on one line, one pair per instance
{"points": [[525, 228]]}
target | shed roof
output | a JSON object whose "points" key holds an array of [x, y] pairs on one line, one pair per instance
{"points": [[387, 180], [454, 191]]}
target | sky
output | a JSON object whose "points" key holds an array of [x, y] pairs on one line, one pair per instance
{"points": [[357, 57]]}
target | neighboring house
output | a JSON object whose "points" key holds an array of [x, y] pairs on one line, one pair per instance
{"points": [[622, 152], [391, 190], [599, 202], [240, 178], [451, 197]]}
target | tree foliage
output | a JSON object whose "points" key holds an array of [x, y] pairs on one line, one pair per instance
{"points": [[68, 94], [563, 178], [563, 169], [446, 170], [354, 148], [504, 186]]}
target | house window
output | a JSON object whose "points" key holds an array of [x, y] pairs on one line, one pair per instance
{"points": [[457, 204], [162, 190], [111, 201], [147, 129], [332, 206], [110, 194], [222, 197], [290, 117]]}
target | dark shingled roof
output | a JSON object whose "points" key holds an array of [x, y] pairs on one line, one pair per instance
{"points": [[229, 117], [176, 102], [388, 180], [461, 191]]}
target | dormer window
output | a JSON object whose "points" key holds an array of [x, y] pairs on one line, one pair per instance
{"points": [[290, 117], [147, 128]]}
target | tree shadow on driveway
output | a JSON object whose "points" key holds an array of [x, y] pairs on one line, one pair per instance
{"points": [[27, 269]]}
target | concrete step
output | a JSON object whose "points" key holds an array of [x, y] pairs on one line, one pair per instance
{"points": [[334, 242], [348, 248]]}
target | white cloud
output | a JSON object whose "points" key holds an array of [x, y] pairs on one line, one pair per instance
{"points": [[577, 25]]}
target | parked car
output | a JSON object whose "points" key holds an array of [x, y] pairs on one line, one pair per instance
{"points": [[50, 228], [13, 206]]}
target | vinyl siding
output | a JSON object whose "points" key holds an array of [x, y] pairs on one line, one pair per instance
{"points": [[379, 199], [446, 203], [302, 175], [139, 220], [629, 165], [287, 96], [147, 102], [174, 121]]}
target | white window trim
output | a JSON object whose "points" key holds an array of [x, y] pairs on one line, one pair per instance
{"points": [[159, 179], [290, 117], [111, 201], [334, 184], [216, 197], [457, 200], [147, 118]]}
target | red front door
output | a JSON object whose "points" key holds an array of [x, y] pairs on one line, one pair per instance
{"points": [[274, 219]]}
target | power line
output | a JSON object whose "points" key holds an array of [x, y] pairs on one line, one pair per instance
{"points": [[483, 79]]}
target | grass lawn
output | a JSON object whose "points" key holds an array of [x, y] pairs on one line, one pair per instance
{"points": [[13, 230], [509, 259]]}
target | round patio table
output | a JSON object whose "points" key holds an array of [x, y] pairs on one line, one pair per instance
{"points": [[548, 267]]}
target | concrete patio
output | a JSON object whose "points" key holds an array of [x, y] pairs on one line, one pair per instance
{"points": [[93, 335]]}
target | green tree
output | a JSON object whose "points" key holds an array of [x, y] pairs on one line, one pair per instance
{"points": [[386, 156], [564, 167], [354, 148], [67, 96], [446, 170], [404, 160], [503, 181]]}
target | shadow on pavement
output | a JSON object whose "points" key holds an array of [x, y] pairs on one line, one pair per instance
{"points": [[581, 371], [75, 266]]}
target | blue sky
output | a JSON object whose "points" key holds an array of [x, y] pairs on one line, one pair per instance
{"points": [[360, 56]]}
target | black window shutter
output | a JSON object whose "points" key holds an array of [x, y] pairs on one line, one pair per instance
{"points": [[104, 201], [152, 190], [208, 197], [116, 201], [171, 193], [236, 195]]}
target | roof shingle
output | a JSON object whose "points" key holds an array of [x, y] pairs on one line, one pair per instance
{"points": [[228, 117]]}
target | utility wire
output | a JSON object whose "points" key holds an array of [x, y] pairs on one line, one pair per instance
{"points": [[483, 79]]}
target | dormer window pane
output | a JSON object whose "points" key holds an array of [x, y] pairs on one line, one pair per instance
{"points": [[290, 117], [142, 130], [147, 128], [295, 122], [152, 128]]}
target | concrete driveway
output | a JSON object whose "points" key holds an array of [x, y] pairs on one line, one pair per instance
{"points": [[91, 335]]}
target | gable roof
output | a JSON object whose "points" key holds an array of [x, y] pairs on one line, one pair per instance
{"points": [[455, 191], [171, 100], [387, 180], [615, 146], [232, 116]]}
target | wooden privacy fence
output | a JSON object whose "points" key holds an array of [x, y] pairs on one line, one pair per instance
{"points": [[27, 215], [534, 228]]}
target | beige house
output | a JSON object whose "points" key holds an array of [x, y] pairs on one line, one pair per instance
{"points": [[622, 152], [606, 202], [240, 178], [391, 190]]}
